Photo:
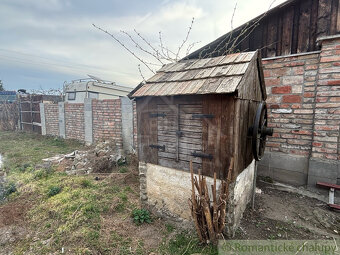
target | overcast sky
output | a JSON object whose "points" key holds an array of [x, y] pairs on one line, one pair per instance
{"points": [[46, 42]]}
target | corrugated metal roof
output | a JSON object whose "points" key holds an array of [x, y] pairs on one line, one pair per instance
{"points": [[202, 76], [7, 92]]}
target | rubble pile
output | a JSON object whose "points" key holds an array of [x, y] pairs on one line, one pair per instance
{"points": [[104, 158]]}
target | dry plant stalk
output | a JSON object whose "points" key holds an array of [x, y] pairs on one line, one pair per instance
{"points": [[209, 216]]}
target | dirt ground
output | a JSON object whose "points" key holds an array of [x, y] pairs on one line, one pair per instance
{"points": [[12, 224], [284, 215]]}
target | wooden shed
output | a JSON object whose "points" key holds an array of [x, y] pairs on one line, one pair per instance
{"points": [[200, 110]]}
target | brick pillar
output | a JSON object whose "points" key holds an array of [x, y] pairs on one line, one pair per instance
{"points": [[88, 127], [62, 127], [324, 165]]}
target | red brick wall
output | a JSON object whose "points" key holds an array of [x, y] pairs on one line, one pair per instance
{"points": [[51, 119], [107, 120], [304, 102], [327, 110], [74, 121]]}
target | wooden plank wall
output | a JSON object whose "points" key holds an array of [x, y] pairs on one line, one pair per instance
{"points": [[218, 134], [147, 130], [249, 97], [191, 134], [213, 136], [290, 29], [30, 113], [246, 111]]}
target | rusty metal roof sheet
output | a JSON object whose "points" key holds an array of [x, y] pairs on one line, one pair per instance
{"points": [[202, 76]]}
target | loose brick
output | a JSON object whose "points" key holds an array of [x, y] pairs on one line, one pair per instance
{"points": [[272, 81], [329, 82], [291, 99], [308, 94], [335, 99], [282, 90], [326, 128], [292, 80], [330, 59], [302, 132]]}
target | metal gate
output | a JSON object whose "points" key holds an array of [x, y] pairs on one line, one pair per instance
{"points": [[29, 109]]}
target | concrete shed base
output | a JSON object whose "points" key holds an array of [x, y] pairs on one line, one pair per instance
{"points": [[166, 192]]}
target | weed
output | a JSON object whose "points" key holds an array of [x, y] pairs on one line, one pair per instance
{"points": [[91, 210], [123, 196], [120, 207], [25, 167], [10, 188], [123, 169], [93, 235], [115, 189], [128, 189], [43, 173], [268, 179], [169, 228], [271, 237], [185, 243], [58, 142], [259, 224], [121, 162], [141, 216], [39, 174], [53, 190], [86, 183]]}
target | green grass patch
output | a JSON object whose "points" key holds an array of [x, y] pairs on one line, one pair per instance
{"points": [[68, 211], [26, 149]]}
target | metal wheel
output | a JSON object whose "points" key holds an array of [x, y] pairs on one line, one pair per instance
{"points": [[260, 131]]}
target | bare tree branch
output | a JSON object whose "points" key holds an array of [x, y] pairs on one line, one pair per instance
{"points": [[123, 45], [186, 38], [142, 49], [140, 72], [190, 46]]}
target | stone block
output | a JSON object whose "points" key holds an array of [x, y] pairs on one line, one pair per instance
{"points": [[324, 169], [290, 177], [289, 162]]}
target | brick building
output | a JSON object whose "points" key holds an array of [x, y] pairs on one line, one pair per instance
{"points": [[300, 46]]}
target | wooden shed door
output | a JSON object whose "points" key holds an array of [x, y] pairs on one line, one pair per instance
{"points": [[180, 132]]}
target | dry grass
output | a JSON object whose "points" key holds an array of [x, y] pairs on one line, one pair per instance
{"points": [[90, 215]]}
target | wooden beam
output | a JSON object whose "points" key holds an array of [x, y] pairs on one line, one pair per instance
{"points": [[295, 32], [304, 22], [338, 18], [334, 17]]}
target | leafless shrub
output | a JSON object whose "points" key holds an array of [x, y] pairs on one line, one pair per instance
{"points": [[49, 92], [9, 116]]}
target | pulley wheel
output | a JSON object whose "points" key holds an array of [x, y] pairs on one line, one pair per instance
{"points": [[260, 131]]}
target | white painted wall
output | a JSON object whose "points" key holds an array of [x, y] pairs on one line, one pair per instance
{"points": [[168, 191], [83, 90]]}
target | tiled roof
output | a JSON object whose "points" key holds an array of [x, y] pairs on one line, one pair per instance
{"points": [[201, 76]]}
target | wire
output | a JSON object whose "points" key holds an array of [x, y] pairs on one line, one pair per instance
{"points": [[36, 56], [80, 68]]}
